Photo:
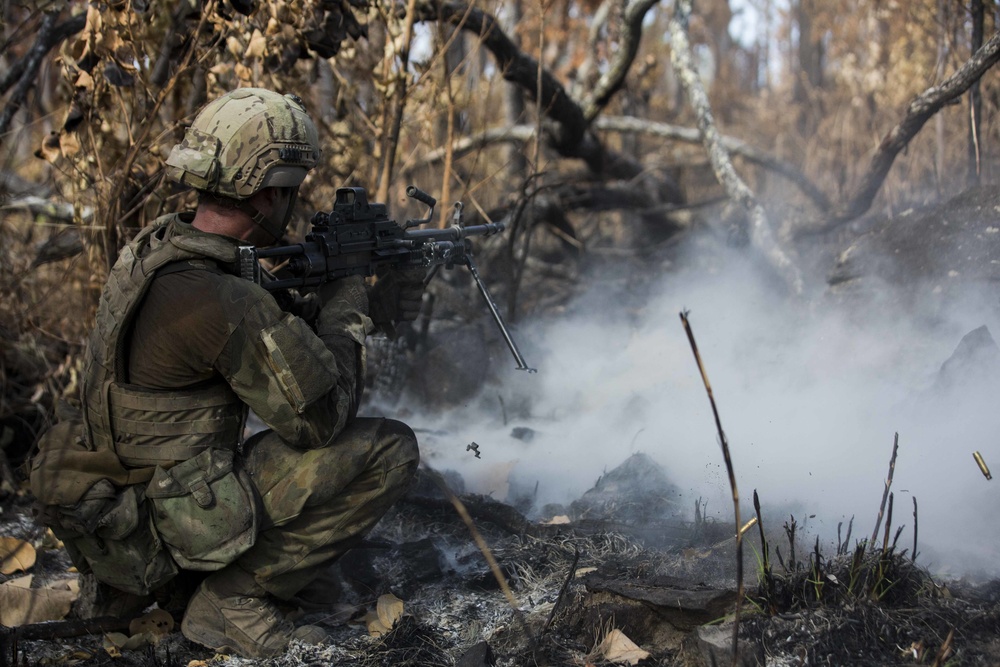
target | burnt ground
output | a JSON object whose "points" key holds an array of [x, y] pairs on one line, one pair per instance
{"points": [[667, 584]]}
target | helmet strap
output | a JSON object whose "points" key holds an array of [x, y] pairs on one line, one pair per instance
{"points": [[276, 230], [261, 220]]}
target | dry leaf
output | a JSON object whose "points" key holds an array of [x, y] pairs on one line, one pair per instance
{"points": [[375, 627], [116, 642], [619, 649], [94, 22], [49, 150], [233, 46], [69, 144], [157, 622], [85, 81], [257, 46], [557, 520], [585, 570], [21, 582], [390, 610], [16, 555], [243, 72], [21, 606]]}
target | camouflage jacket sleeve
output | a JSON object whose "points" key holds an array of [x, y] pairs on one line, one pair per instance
{"points": [[304, 386]]}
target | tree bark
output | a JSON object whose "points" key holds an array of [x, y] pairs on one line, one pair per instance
{"points": [[761, 234], [975, 99]]}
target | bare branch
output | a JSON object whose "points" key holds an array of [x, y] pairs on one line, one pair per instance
{"points": [[920, 110], [568, 128], [731, 144], [515, 134], [611, 81], [761, 234], [25, 70]]}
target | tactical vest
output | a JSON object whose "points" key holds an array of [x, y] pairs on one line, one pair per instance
{"points": [[148, 427]]}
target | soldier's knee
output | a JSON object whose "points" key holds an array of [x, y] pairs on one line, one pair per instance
{"points": [[400, 445]]}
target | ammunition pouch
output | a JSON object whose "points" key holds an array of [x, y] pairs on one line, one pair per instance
{"points": [[124, 550], [205, 509]]}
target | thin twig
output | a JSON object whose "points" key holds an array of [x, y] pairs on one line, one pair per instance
{"points": [[138, 146], [914, 556], [945, 649], [765, 549], [888, 483], [888, 523], [562, 592], [732, 484]]}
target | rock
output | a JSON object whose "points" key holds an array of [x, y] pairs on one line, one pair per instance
{"points": [[635, 493], [682, 604], [975, 362], [480, 655]]}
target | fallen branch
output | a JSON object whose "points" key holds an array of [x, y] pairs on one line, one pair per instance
{"points": [[920, 110], [63, 629], [945, 651], [733, 145]]}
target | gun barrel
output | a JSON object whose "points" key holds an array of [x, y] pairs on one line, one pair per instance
{"points": [[454, 233]]}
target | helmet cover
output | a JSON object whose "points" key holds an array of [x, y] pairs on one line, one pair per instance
{"points": [[248, 139]]}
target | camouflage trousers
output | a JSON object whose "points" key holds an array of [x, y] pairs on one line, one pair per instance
{"points": [[319, 503]]}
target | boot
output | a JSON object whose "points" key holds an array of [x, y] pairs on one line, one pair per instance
{"points": [[231, 613]]}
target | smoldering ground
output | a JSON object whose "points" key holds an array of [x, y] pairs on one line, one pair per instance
{"points": [[811, 394]]}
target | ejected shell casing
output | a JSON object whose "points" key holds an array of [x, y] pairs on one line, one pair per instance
{"points": [[982, 464], [748, 525]]}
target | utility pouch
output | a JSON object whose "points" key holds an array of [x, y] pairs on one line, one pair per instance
{"points": [[124, 550], [206, 510]]}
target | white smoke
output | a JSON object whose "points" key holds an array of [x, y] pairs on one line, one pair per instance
{"points": [[810, 396]]}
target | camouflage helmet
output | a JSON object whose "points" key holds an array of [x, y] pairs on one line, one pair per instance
{"points": [[246, 140]]}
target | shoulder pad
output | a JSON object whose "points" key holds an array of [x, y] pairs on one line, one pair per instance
{"points": [[218, 249]]}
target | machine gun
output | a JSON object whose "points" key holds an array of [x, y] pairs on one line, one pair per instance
{"points": [[358, 238]]}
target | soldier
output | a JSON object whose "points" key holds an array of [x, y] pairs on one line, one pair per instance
{"points": [[161, 479]]}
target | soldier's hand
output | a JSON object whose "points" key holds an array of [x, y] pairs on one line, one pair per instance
{"points": [[345, 294], [396, 297]]}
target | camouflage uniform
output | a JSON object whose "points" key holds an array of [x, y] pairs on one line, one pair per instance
{"points": [[157, 478], [324, 476]]}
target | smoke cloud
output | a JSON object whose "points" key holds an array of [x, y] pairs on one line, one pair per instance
{"points": [[810, 394]]}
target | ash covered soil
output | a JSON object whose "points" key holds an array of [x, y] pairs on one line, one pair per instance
{"points": [[577, 590]]}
